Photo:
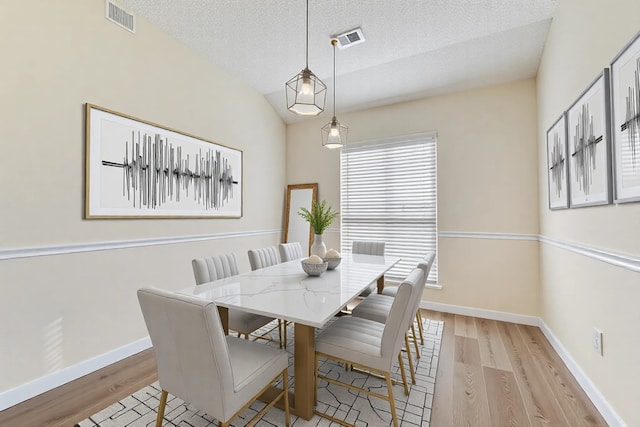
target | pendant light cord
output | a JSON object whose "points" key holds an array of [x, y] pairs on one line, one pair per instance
{"points": [[307, 29], [333, 42]]}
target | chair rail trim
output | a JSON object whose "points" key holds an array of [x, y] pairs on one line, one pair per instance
{"points": [[613, 258]]}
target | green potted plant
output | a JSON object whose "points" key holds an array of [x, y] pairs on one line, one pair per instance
{"points": [[320, 217]]}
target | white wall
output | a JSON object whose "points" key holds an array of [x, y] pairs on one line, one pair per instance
{"points": [[57, 311], [487, 183], [579, 293]]}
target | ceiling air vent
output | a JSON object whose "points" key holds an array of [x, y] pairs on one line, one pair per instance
{"points": [[350, 38], [121, 17]]}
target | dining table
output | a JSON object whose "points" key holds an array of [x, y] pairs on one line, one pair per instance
{"points": [[284, 291]]}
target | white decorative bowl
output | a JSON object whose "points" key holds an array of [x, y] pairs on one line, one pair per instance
{"points": [[314, 269], [333, 262]]}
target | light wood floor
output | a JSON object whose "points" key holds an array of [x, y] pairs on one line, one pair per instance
{"points": [[494, 373], [490, 373]]}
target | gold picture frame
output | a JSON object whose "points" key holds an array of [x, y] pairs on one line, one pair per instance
{"points": [[138, 169]]}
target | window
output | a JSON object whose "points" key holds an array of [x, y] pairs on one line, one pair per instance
{"points": [[388, 193]]}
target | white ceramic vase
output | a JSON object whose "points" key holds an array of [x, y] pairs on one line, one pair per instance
{"points": [[318, 247]]}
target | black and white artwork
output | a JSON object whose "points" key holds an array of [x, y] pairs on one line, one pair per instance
{"points": [[625, 90], [137, 169], [588, 144], [558, 165]]}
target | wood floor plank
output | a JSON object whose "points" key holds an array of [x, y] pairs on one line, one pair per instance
{"points": [[465, 326], [72, 402], [563, 385], [442, 411], [507, 407], [542, 408], [470, 405], [467, 351], [492, 351]]}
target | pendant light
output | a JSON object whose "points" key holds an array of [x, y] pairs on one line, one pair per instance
{"points": [[334, 135], [306, 93]]}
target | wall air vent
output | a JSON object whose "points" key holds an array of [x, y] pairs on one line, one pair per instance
{"points": [[119, 16], [350, 38]]}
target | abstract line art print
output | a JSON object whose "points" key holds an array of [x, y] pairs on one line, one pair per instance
{"points": [[588, 143], [558, 165], [625, 95], [137, 169]]}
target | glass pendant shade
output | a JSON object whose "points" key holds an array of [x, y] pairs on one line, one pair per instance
{"points": [[334, 135], [306, 94]]}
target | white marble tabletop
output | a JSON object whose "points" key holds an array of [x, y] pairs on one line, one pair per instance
{"points": [[284, 291]]}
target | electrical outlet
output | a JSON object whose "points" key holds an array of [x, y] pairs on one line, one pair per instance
{"points": [[596, 341]]}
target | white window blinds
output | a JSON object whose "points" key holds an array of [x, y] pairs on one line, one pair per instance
{"points": [[388, 193]]}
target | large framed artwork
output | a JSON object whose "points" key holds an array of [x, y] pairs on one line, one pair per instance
{"points": [[625, 99], [558, 165], [138, 169], [588, 130]]}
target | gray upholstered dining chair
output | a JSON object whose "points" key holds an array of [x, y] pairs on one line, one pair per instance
{"points": [[367, 248], [290, 251], [391, 291], [262, 258], [222, 266], [370, 345], [214, 268], [377, 308], [217, 374]]}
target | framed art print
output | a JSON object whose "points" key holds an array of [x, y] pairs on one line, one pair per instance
{"points": [[137, 169], [558, 165], [625, 100], [588, 144]]}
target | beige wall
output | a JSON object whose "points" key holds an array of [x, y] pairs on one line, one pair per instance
{"points": [[580, 293], [487, 182], [57, 311], [61, 310]]}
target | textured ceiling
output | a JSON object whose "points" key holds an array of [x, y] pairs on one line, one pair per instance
{"points": [[413, 48]]}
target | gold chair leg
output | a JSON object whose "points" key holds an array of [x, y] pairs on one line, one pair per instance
{"points": [[246, 336], [419, 319], [221, 424], [415, 341], [161, 406], [409, 358], [392, 402], [404, 376]]}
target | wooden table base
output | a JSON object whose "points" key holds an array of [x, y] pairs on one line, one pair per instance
{"points": [[302, 399]]}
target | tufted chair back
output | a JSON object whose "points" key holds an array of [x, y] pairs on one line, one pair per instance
{"points": [[290, 251], [263, 257], [214, 268], [367, 248], [190, 348], [399, 317]]}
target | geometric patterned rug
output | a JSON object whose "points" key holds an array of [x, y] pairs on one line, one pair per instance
{"points": [[140, 409]]}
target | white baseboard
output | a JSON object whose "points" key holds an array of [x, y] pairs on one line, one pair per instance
{"points": [[607, 412], [523, 319], [599, 401], [31, 389]]}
